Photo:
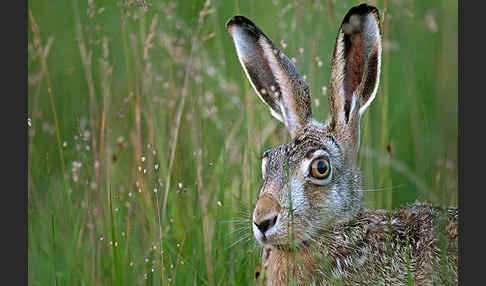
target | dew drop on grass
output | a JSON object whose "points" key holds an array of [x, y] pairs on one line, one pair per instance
{"points": [[324, 90]]}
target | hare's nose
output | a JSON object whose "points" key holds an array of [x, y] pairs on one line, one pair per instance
{"points": [[265, 214], [266, 224]]}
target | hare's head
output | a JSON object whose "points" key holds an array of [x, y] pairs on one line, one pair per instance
{"points": [[313, 181]]}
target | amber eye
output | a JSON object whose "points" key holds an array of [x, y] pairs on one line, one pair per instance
{"points": [[320, 168]]}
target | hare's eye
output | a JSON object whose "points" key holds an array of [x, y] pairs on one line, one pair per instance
{"points": [[320, 168]]}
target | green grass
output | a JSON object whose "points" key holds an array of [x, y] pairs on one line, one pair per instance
{"points": [[125, 100]]}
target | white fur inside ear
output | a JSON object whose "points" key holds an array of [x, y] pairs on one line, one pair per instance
{"points": [[247, 54], [354, 98], [276, 115], [372, 38], [375, 88], [289, 117]]}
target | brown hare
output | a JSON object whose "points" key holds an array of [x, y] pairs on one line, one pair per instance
{"points": [[309, 216]]}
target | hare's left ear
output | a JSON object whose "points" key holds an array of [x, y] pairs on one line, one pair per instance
{"points": [[274, 77], [355, 70]]}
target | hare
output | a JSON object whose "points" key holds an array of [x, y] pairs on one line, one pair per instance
{"points": [[309, 216]]}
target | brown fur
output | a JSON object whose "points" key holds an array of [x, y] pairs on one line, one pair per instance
{"points": [[315, 230], [377, 248]]}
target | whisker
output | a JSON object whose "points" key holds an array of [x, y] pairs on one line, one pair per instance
{"points": [[240, 229], [245, 237], [392, 188], [237, 223]]}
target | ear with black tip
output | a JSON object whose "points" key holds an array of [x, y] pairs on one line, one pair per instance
{"points": [[355, 70], [274, 77]]}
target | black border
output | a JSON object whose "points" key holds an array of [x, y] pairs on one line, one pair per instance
{"points": [[471, 113], [14, 116]]}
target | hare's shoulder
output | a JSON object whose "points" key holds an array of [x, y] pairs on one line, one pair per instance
{"points": [[388, 245]]}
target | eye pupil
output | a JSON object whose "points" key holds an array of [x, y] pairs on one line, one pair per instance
{"points": [[321, 167]]}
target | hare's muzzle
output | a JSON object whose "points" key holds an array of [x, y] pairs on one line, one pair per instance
{"points": [[265, 218]]}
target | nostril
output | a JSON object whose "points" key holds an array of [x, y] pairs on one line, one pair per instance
{"points": [[266, 224]]}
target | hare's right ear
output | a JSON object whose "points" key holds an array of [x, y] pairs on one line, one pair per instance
{"points": [[355, 71], [274, 77]]}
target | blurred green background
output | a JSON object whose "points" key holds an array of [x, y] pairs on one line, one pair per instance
{"points": [[145, 135]]}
